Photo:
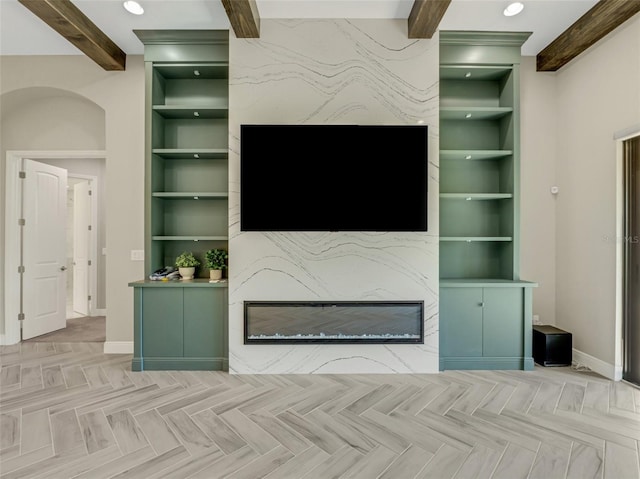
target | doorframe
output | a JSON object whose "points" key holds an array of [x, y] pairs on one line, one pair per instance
{"points": [[12, 248], [620, 137], [93, 242]]}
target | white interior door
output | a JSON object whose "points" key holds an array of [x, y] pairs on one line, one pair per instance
{"points": [[44, 248], [81, 241]]}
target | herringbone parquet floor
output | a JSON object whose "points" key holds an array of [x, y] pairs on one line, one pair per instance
{"points": [[67, 410]]}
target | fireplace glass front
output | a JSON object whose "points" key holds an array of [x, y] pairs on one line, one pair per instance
{"points": [[272, 322]]}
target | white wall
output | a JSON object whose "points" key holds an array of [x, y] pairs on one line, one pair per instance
{"points": [[47, 119], [121, 96], [538, 122], [598, 94], [333, 71]]}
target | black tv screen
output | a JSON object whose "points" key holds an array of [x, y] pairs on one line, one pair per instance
{"points": [[333, 178]]}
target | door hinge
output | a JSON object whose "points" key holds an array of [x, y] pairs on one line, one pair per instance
{"points": [[21, 222], [20, 269], [89, 262], [90, 193], [89, 297], [89, 227], [22, 175], [20, 316]]}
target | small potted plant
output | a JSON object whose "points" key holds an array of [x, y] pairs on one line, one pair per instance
{"points": [[216, 262], [186, 264]]}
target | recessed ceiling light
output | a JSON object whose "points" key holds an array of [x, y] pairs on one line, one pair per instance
{"points": [[133, 7], [513, 9]]}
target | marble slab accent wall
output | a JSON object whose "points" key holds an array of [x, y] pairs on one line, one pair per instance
{"points": [[339, 72]]}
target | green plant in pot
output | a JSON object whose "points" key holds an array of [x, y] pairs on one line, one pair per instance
{"points": [[186, 264], [216, 261]]}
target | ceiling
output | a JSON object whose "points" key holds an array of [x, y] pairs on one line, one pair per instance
{"points": [[22, 33]]}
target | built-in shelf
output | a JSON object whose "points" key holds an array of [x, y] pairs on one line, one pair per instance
{"points": [[182, 325], [191, 195], [473, 155], [187, 136], [473, 72], [474, 239], [484, 309], [486, 283], [190, 238], [191, 153], [190, 112], [474, 113], [208, 70], [475, 196]]}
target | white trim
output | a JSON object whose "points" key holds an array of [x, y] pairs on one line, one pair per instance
{"points": [[100, 312], [627, 133], [599, 366], [13, 212], [618, 338], [93, 247], [118, 347], [619, 346], [13, 208]]}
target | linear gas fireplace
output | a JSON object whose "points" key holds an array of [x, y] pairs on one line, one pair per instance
{"points": [[346, 322]]}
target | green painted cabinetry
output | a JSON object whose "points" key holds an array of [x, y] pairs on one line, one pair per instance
{"points": [[485, 314], [485, 324], [187, 175], [183, 324], [180, 325]]}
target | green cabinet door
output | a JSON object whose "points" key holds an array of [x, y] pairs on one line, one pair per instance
{"points": [[485, 327], [204, 323], [503, 322], [461, 322], [162, 323], [180, 326]]}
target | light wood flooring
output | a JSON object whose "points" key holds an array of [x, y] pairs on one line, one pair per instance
{"points": [[68, 410]]}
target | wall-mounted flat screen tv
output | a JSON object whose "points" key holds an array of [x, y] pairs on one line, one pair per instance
{"points": [[333, 177]]}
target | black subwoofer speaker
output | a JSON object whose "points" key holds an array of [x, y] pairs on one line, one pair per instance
{"points": [[551, 346]]}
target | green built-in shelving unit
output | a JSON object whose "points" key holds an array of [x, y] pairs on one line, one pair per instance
{"points": [[187, 110], [485, 309], [183, 325]]}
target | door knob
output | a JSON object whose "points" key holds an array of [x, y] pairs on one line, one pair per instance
{"points": [[63, 268]]}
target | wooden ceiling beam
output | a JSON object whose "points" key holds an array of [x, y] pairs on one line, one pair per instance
{"points": [[604, 17], [244, 18], [425, 17], [66, 19]]}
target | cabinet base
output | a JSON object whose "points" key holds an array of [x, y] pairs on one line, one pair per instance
{"points": [[180, 364], [480, 363]]}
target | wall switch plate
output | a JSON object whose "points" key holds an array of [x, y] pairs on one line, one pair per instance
{"points": [[536, 319], [137, 255]]}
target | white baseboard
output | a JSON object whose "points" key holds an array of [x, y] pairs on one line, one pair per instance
{"points": [[599, 366], [100, 312], [9, 339], [118, 347]]}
